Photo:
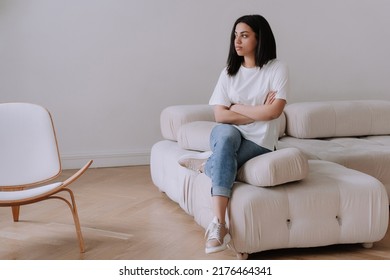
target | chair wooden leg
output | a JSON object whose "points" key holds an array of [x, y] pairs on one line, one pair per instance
{"points": [[73, 209], [15, 212], [76, 220], [78, 228]]}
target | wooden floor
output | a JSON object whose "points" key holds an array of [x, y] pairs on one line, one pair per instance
{"points": [[125, 217]]}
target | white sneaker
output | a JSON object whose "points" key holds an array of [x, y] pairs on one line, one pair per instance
{"points": [[195, 162], [218, 237]]}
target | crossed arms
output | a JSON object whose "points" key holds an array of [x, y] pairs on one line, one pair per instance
{"points": [[244, 114]]}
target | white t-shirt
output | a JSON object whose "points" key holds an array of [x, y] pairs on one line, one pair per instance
{"points": [[250, 86]]}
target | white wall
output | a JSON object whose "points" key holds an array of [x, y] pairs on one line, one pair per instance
{"points": [[106, 68]]}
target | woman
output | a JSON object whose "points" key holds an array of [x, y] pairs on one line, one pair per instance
{"points": [[250, 95]]}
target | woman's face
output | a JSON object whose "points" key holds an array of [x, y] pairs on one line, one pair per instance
{"points": [[245, 41]]}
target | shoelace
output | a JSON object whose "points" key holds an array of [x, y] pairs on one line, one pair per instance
{"points": [[214, 232]]}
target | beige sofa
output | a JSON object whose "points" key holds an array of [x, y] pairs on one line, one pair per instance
{"points": [[355, 134], [288, 198]]}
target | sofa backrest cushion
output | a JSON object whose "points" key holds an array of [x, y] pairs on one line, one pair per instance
{"points": [[173, 117], [338, 118], [274, 168], [195, 135]]}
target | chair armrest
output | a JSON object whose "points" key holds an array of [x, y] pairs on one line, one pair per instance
{"points": [[76, 175]]}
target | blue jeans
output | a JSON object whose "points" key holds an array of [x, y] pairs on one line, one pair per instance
{"points": [[230, 152]]}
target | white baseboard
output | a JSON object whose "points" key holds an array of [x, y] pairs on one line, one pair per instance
{"points": [[128, 158]]}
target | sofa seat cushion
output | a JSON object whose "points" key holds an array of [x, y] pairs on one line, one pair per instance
{"points": [[380, 139], [311, 147], [374, 161], [275, 168], [369, 155]]}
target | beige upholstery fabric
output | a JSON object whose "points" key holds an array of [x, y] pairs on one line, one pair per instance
{"points": [[370, 155], [382, 139], [338, 118], [173, 117], [195, 135], [332, 205], [171, 178], [275, 168], [357, 134]]}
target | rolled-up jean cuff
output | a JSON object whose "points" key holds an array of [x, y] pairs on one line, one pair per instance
{"points": [[221, 191]]}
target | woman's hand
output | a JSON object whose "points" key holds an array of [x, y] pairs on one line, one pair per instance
{"points": [[270, 98]]}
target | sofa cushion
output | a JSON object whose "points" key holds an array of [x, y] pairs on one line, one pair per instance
{"points": [[195, 135], [381, 139], [275, 168], [173, 117], [370, 154], [338, 118]]}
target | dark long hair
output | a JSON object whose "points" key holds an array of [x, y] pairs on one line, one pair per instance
{"points": [[266, 45]]}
